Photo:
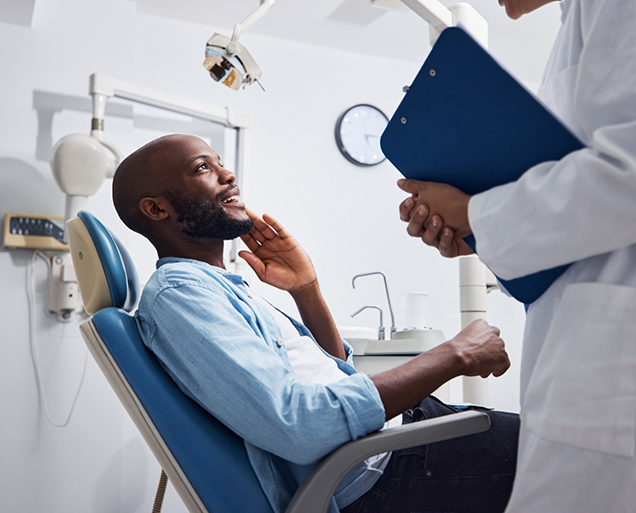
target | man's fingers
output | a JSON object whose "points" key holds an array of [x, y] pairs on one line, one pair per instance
{"points": [[264, 228], [280, 229], [251, 243], [501, 371], [265, 225], [254, 262]]}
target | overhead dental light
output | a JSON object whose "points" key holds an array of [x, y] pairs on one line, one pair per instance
{"points": [[228, 61]]}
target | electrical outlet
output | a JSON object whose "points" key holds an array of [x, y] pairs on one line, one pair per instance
{"points": [[35, 232]]}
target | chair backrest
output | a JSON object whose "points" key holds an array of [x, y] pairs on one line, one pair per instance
{"points": [[205, 461]]}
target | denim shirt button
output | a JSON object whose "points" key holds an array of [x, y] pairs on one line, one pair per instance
{"points": [[280, 342]]}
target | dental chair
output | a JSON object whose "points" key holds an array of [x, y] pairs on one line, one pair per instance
{"points": [[205, 461]]}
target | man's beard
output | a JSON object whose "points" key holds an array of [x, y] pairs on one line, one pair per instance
{"points": [[201, 219]]}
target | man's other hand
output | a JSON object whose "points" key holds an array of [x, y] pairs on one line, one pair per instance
{"points": [[481, 350]]}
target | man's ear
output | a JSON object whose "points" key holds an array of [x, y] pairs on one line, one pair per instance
{"points": [[153, 208]]}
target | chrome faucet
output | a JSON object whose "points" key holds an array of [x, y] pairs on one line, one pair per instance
{"points": [[381, 328], [388, 298]]}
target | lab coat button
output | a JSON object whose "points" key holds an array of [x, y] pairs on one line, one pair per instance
{"points": [[280, 342]]}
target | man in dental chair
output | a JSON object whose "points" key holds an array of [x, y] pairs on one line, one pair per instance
{"points": [[289, 389]]}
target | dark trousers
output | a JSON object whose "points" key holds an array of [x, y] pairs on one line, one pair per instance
{"points": [[470, 474]]}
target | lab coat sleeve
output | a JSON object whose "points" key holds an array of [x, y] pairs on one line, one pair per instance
{"points": [[585, 204], [219, 356]]}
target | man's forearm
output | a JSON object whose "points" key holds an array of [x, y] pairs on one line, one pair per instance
{"points": [[317, 317], [405, 386]]}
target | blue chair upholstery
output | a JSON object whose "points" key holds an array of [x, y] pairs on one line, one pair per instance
{"points": [[205, 461]]}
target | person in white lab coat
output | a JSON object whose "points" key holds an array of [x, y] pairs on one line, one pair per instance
{"points": [[578, 373]]}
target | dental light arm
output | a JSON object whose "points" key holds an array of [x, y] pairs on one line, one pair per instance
{"points": [[228, 61], [440, 17], [255, 16]]}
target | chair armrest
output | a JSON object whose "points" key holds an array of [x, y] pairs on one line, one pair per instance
{"points": [[318, 488]]}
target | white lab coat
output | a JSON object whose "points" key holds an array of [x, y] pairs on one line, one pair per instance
{"points": [[578, 373]]}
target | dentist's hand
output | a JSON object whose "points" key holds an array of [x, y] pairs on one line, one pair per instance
{"points": [[440, 237], [429, 199], [438, 214], [276, 256]]}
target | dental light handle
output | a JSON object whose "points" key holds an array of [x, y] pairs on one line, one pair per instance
{"points": [[255, 16]]}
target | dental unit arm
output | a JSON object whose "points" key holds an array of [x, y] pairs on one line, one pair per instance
{"points": [[440, 17], [80, 164]]}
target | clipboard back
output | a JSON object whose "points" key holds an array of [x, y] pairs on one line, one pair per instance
{"points": [[467, 122]]}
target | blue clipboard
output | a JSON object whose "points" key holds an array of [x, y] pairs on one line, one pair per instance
{"points": [[467, 122]]}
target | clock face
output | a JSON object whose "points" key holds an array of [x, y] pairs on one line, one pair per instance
{"points": [[358, 132]]}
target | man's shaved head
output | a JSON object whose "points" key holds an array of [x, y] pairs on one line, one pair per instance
{"points": [[140, 175]]}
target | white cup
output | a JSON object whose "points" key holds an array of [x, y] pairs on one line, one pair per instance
{"points": [[414, 304]]}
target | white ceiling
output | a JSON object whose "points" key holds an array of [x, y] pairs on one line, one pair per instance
{"points": [[355, 26], [18, 12], [358, 26]]}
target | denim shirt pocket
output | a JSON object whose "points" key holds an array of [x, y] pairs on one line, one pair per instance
{"points": [[583, 389]]}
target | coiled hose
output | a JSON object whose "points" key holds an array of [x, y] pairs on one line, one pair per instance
{"points": [[161, 491]]}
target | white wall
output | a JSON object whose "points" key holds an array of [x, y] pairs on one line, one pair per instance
{"points": [[345, 216]]}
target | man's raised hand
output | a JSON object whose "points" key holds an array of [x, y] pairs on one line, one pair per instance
{"points": [[275, 255]]}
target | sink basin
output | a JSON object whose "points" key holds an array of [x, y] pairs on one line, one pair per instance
{"points": [[363, 332], [358, 336], [406, 342]]}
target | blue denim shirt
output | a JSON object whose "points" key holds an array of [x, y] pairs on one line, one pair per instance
{"points": [[221, 347]]}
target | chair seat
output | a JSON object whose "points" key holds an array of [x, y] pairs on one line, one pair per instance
{"points": [[210, 456]]}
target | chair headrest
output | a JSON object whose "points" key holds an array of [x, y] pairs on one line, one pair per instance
{"points": [[105, 272]]}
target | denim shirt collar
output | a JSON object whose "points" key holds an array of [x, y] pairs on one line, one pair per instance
{"points": [[235, 278]]}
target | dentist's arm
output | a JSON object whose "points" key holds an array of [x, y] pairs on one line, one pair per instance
{"points": [[278, 260]]}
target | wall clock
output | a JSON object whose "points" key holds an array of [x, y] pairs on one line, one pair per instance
{"points": [[358, 132]]}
